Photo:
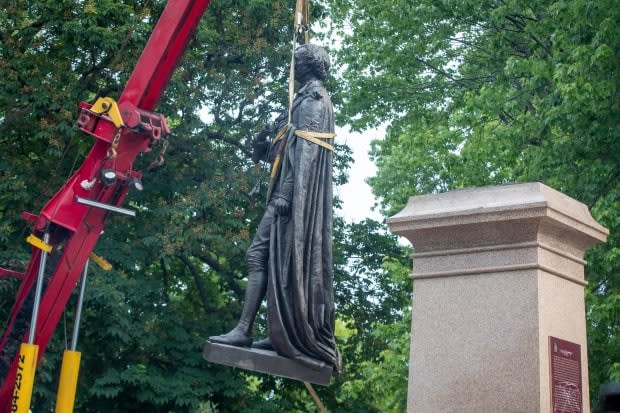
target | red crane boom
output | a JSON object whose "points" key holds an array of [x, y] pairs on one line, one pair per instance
{"points": [[75, 216]]}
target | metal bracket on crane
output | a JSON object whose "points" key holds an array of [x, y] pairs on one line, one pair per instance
{"points": [[107, 207], [108, 106]]}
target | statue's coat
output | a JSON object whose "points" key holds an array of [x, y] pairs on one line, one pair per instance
{"points": [[300, 293]]}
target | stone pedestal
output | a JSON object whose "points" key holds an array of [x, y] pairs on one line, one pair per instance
{"points": [[498, 271]]}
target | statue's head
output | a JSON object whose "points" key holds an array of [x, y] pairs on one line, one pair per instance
{"points": [[311, 61]]}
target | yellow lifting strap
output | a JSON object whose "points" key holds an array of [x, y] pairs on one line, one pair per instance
{"points": [[39, 243], [110, 108], [275, 167], [302, 18], [315, 137], [280, 133]]}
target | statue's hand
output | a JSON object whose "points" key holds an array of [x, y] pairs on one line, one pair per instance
{"points": [[282, 206], [260, 146], [259, 150]]}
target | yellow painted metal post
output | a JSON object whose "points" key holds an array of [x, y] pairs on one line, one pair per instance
{"points": [[24, 379], [29, 352], [70, 369], [68, 381]]}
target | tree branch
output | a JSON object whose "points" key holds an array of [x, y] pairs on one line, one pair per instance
{"points": [[165, 279], [239, 117], [202, 291], [217, 266], [227, 139], [441, 72]]}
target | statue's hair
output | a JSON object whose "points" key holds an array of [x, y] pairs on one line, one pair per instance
{"points": [[316, 57]]}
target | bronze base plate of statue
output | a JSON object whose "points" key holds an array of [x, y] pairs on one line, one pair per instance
{"points": [[290, 259], [265, 361]]}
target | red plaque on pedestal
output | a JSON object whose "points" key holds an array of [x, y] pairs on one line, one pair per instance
{"points": [[565, 365]]}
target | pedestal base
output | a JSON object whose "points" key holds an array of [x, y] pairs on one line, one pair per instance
{"points": [[498, 304], [264, 361]]}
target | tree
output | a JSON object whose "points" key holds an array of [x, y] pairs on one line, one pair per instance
{"points": [[380, 350], [373, 297], [491, 92]]}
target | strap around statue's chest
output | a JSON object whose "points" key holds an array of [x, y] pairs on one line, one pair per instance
{"points": [[315, 137]]}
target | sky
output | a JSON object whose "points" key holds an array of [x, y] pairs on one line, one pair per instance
{"points": [[356, 194]]}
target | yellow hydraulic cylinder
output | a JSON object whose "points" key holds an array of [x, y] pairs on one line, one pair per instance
{"points": [[24, 379], [70, 368], [68, 381]]}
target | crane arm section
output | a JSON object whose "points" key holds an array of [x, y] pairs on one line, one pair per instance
{"points": [[75, 216]]}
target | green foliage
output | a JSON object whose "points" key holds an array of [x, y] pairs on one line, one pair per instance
{"points": [[382, 378], [487, 92], [373, 296]]}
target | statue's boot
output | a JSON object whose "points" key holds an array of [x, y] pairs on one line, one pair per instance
{"points": [[235, 337], [264, 344], [255, 292]]}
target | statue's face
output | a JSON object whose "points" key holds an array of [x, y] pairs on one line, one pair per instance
{"points": [[311, 62], [302, 68]]}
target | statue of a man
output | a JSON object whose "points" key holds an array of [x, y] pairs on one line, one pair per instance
{"points": [[290, 258]]}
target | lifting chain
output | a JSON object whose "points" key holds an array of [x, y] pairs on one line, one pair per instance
{"points": [[114, 145], [160, 159]]}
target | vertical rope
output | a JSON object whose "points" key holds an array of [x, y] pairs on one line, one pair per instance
{"points": [[302, 18], [291, 80], [307, 21], [300, 25], [315, 397]]}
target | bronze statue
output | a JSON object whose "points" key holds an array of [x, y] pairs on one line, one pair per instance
{"points": [[290, 258]]}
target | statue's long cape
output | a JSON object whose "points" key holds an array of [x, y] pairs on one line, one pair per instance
{"points": [[300, 283]]}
